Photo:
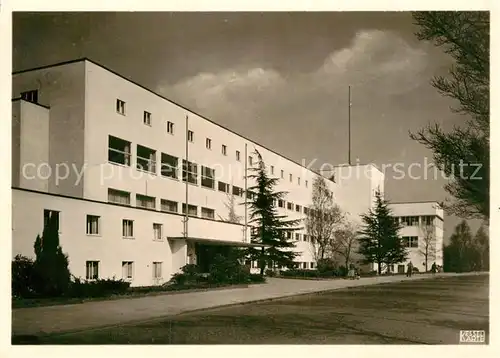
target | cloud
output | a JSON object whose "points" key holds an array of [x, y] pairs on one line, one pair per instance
{"points": [[375, 60]]}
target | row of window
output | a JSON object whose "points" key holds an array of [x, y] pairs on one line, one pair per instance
{"points": [[147, 120], [121, 197], [427, 220], [92, 270]]}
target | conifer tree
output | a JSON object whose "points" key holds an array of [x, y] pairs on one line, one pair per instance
{"points": [[269, 228], [379, 240], [51, 264]]}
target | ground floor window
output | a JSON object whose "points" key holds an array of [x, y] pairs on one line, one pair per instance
{"points": [[92, 270], [157, 270], [127, 269]]}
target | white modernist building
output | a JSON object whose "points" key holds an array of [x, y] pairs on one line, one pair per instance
{"points": [[141, 185], [422, 230]]}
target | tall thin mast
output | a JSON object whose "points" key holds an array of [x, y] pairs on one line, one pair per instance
{"points": [[186, 168], [245, 235], [349, 129]]}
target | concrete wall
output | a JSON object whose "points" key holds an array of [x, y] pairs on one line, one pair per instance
{"points": [[109, 248], [30, 146], [62, 88]]}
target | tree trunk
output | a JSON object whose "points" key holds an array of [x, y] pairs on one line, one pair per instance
{"points": [[262, 262], [379, 267]]}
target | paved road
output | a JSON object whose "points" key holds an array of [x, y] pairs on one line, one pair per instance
{"points": [[45, 320], [418, 312]]}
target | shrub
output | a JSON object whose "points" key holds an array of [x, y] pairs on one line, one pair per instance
{"points": [[23, 277], [256, 278], [190, 274], [227, 269], [326, 265], [270, 273], [98, 288]]}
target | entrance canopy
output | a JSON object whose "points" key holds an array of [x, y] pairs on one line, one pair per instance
{"points": [[217, 242]]}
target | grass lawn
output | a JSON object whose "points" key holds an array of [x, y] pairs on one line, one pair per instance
{"points": [[424, 311]]}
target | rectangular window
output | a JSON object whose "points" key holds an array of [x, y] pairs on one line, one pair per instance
{"points": [[413, 220], [93, 225], [146, 159], [238, 155], [282, 174], [51, 214], [127, 270], [157, 274], [298, 180], [207, 177], [306, 210], [30, 96], [189, 172], [272, 170], [170, 127], [144, 201], [169, 206], [312, 265], [281, 203], [304, 265], [208, 143], [207, 213], [305, 237], [307, 183], [237, 191], [289, 206], [298, 208], [118, 197], [250, 195], [147, 118], [250, 161], [396, 219], [410, 241], [288, 234], [190, 136], [118, 151], [157, 232], [192, 211], [428, 220], [297, 236], [120, 106], [169, 166], [224, 150], [127, 228], [291, 177], [92, 270], [223, 187]]}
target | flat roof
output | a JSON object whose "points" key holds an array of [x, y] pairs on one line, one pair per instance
{"points": [[166, 99], [217, 241]]}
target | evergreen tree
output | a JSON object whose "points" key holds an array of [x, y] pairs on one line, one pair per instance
{"points": [[466, 253], [379, 241], [51, 264], [482, 242], [463, 153], [269, 228]]}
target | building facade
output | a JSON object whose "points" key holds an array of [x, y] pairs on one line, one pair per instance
{"points": [[139, 182], [422, 231]]}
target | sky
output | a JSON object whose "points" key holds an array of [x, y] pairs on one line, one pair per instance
{"points": [[280, 79]]}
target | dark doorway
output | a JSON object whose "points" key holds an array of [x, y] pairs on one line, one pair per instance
{"points": [[205, 254]]}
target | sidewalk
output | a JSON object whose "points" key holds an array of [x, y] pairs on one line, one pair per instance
{"points": [[75, 317]]}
